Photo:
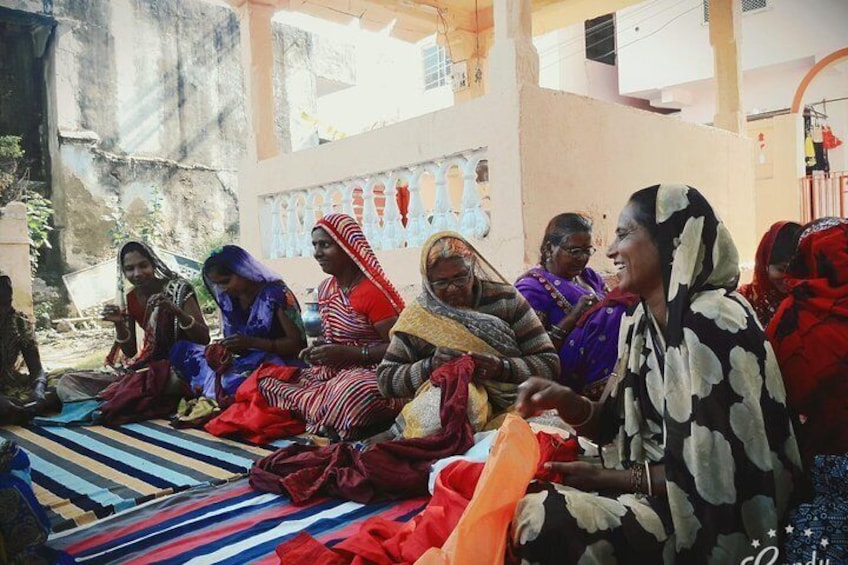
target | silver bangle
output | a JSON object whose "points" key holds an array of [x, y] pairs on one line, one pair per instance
{"points": [[122, 340], [648, 476], [588, 416], [189, 325]]}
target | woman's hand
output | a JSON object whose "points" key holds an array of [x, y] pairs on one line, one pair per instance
{"points": [[442, 356], [536, 395], [111, 313], [487, 367], [582, 475], [163, 303], [584, 303], [239, 343], [326, 355]]}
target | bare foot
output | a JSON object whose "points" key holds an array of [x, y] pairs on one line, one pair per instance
{"points": [[370, 442]]}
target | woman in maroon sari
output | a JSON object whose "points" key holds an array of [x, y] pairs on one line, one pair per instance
{"points": [[768, 288]]}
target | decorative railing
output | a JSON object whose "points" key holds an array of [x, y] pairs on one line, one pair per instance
{"points": [[824, 194], [389, 205]]}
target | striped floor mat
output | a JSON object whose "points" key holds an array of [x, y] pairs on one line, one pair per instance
{"points": [[229, 524], [82, 474]]}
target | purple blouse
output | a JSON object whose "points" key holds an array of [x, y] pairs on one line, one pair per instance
{"points": [[590, 351]]}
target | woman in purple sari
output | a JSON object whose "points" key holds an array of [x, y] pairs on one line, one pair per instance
{"points": [[261, 319], [571, 301]]}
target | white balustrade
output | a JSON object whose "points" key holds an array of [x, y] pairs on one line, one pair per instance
{"points": [[288, 218]]}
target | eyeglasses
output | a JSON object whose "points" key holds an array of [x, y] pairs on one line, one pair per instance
{"points": [[578, 251], [457, 282]]}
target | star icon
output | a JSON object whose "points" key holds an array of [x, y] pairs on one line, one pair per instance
{"points": [[808, 533], [773, 533], [824, 542], [790, 529], [755, 543]]}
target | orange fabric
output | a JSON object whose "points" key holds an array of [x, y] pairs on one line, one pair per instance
{"points": [[250, 416], [480, 535]]}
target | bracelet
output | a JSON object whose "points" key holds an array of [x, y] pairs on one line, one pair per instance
{"points": [[506, 368], [122, 340], [648, 473], [189, 325], [637, 475], [365, 352], [588, 416], [557, 333]]}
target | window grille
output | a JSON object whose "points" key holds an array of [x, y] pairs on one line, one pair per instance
{"points": [[747, 6], [437, 66]]}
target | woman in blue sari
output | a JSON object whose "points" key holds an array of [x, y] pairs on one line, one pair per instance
{"points": [[261, 322]]}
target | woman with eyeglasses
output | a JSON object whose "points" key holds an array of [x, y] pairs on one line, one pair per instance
{"points": [[465, 307], [579, 313]]}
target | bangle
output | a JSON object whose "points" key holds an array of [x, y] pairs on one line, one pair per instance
{"points": [[637, 475], [122, 340], [366, 353], [189, 325], [648, 474], [557, 333], [588, 416], [506, 368]]}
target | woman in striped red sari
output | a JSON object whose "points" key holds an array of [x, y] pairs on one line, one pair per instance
{"points": [[337, 395]]}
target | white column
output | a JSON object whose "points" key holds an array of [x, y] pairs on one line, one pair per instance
{"points": [[393, 230]]}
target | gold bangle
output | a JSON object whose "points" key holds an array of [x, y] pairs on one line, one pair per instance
{"points": [[189, 325]]}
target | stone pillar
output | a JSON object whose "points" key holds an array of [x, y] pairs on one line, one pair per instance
{"points": [[513, 60], [258, 66], [726, 40]]}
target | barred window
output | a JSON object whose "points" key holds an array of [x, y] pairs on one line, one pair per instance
{"points": [[437, 66], [747, 6]]}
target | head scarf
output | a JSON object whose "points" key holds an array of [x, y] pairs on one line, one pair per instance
{"points": [[761, 293], [246, 266], [809, 333], [348, 235], [160, 269], [708, 400]]}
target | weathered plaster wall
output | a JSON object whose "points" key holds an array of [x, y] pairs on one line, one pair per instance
{"points": [[14, 254]]}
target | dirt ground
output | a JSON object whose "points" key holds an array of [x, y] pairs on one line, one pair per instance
{"points": [[80, 349]]}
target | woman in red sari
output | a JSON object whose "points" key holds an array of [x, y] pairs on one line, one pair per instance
{"points": [[768, 289], [337, 395], [809, 334]]}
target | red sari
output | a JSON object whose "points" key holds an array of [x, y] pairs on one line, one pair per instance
{"points": [[809, 333], [760, 292]]}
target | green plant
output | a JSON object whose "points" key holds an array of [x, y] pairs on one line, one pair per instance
{"points": [[10, 155], [150, 229], [39, 212]]}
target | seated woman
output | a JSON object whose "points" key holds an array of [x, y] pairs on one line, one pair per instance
{"points": [[565, 294], [768, 288], [465, 306], [261, 319], [22, 395], [338, 396], [24, 525], [161, 302], [698, 454]]}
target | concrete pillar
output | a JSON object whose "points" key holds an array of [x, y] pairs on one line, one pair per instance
{"points": [[513, 60], [258, 67], [726, 40]]}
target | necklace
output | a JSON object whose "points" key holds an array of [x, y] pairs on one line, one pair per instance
{"points": [[347, 288]]}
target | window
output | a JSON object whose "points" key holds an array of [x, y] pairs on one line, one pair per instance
{"points": [[600, 39], [437, 66], [747, 6]]}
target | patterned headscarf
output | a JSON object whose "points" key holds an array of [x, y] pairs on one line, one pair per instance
{"points": [[707, 400], [348, 235]]}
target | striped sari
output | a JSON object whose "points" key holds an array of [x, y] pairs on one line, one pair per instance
{"points": [[343, 400]]}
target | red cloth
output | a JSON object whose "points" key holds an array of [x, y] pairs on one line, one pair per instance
{"points": [[139, 396], [383, 542], [613, 298], [391, 469], [553, 447], [250, 416], [809, 334], [760, 292], [219, 359]]}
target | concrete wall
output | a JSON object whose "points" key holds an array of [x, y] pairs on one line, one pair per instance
{"points": [[665, 43], [778, 168], [580, 154], [14, 254]]}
